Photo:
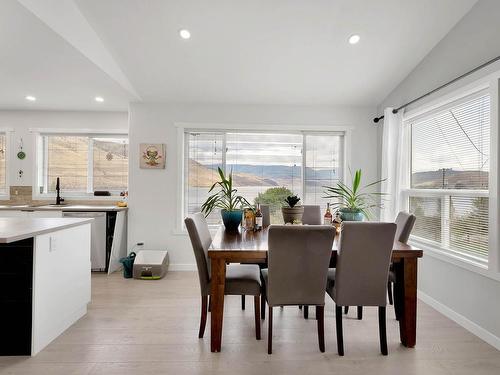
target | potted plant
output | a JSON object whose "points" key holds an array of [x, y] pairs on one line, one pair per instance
{"points": [[230, 204], [354, 203], [291, 212]]}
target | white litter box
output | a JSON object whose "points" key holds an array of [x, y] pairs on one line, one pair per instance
{"points": [[150, 264]]}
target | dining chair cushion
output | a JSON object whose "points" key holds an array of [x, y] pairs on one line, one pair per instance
{"points": [[298, 259], [404, 222], [312, 215], [200, 237], [363, 260], [243, 279]]}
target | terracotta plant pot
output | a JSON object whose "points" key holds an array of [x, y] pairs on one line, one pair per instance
{"points": [[292, 214]]}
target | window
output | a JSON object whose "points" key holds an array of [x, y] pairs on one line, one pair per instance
{"points": [[3, 164], [449, 172], [84, 163], [266, 166]]}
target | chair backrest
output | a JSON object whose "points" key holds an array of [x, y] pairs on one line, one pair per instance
{"points": [[298, 260], [405, 222], [266, 214], [363, 261], [201, 240], [312, 215]]}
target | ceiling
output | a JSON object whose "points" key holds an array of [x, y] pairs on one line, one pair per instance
{"points": [[259, 52]]}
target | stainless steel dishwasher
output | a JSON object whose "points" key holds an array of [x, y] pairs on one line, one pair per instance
{"points": [[97, 239]]}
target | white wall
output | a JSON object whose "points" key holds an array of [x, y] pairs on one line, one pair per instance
{"points": [[21, 121], [153, 193], [466, 296]]}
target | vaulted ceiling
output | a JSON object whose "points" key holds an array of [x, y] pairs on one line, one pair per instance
{"points": [[67, 52]]}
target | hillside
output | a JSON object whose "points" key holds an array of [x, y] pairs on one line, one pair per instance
{"points": [[203, 176]]}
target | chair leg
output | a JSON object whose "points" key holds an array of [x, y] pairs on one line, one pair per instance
{"points": [[360, 312], [320, 317], [243, 302], [209, 304], [203, 320], [382, 330], [389, 292], [263, 306], [270, 331], [306, 312], [346, 309], [256, 302], [340, 335]]}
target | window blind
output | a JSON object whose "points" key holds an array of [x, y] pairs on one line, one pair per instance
{"points": [[450, 159]]}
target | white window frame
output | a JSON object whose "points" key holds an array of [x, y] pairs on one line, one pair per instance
{"points": [[490, 267], [7, 132], [39, 159], [182, 128]]}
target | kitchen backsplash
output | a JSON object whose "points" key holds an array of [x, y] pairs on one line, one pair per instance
{"points": [[24, 195]]}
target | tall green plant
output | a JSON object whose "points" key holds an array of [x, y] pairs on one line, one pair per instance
{"points": [[354, 198], [226, 198]]}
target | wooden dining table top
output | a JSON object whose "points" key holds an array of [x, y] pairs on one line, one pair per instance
{"points": [[253, 245]]}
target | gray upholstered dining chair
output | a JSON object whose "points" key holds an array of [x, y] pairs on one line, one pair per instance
{"points": [[266, 214], [312, 215], [241, 279], [360, 277], [298, 258], [404, 225]]}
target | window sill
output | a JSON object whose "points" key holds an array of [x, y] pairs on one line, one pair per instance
{"points": [[479, 267]]}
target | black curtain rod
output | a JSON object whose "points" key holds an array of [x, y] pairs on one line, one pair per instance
{"points": [[396, 110]]}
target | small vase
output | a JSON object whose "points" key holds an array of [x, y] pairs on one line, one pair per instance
{"points": [[347, 214], [292, 214], [231, 219]]}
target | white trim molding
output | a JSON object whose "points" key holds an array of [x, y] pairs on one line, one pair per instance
{"points": [[461, 320]]}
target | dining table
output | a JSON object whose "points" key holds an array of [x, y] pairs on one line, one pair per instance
{"points": [[248, 246]]}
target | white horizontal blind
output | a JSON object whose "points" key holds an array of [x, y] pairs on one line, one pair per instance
{"points": [[265, 165], [3, 164], [449, 176], [324, 165]]}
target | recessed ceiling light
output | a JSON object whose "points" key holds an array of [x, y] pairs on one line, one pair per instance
{"points": [[99, 99], [353, 39], [31, 98], [184, 34]]}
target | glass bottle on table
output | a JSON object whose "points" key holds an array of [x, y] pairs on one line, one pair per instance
{"points": [[258, 218], [327, 219]]}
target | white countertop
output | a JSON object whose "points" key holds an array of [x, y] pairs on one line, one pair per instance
{"points": [[64, 208], [15, 229]]}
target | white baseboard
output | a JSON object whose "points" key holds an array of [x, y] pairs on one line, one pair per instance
{"points": [[182, 267], [469, 325]]}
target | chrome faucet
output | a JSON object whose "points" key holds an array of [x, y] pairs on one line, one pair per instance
{"points": [[58, 190]]}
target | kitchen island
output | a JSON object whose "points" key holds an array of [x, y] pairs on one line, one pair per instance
{"points": [[44, 280]]}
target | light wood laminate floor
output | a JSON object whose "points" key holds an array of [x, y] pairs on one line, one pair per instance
{"points": [[151, 327]]}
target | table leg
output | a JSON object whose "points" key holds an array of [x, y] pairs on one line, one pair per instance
{"points": [[406, 289], [218, 281]]}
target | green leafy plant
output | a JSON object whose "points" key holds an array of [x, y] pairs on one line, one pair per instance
{"points": [[292, 200], [226, 198], [354, 198]]}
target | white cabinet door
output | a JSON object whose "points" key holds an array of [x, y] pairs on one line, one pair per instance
{"points": [[61, 282], [56, 213]]}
